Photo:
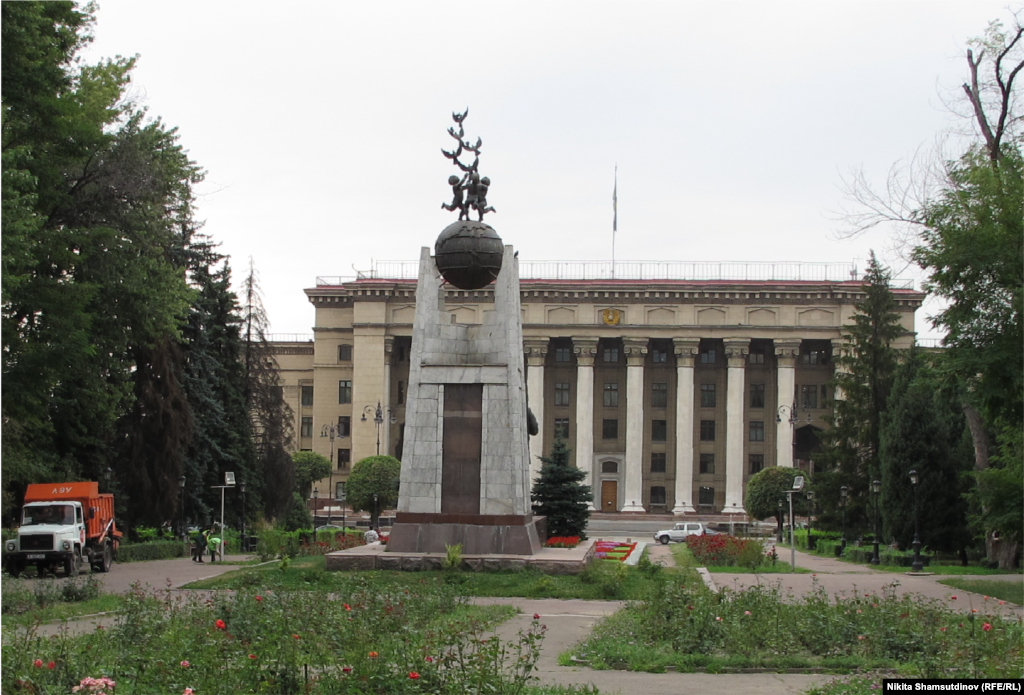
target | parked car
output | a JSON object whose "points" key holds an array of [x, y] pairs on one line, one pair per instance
{"points": [[680, 531]]}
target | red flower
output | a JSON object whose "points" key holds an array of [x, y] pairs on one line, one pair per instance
{"points": [[296, 637], [221, 625], [986, 627], [50, 665], [38, 663], [347, 607], [373, 655], [259, 598], [413, 675], [536, 616], [346, 669], [185, 664], [252, 656], [429, 659], [952, 598]]}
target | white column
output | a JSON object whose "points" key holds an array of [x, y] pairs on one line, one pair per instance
{"points": [[385, 430], [536, 351], [635, 354], [686, 351], [585, 349], [785, 354], [736, 352]]}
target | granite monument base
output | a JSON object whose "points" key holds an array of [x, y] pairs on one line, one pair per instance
{"points": [[479, 534]]}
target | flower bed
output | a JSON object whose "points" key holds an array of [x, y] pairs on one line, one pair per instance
{"points": [[563, 542], [612, 550], [727, 551]]}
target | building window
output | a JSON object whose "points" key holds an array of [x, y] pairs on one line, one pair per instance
{"points": [[401, 392], [757, 395], [813, 357], [344, 456], [344, 426], [563, 354], [809, 396], [756, 431], [707, 396], [611, 395], [707, 464], [756, 463], [345, 391], [609, 466], [609, 429], [706, 496], [659, 356], [562, 428], [344, 353], [307, 427], [562, 393], [610, 355], [658, 462], [658, 494], [824, 395], [400, 351], [755, 358], [707, 356], [659, 430], [307, 396], [707, 430], [659, 395]]}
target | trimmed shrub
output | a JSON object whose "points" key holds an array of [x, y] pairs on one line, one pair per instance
{"points": [[152, 550]]}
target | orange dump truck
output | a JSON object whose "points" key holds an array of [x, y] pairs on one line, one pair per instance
{"points": [[64, 525]]}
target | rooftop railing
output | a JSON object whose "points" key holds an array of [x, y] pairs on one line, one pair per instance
{"points": [[641, 270]]}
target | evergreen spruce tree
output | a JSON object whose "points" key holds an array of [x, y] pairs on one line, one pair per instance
{"points": [[924, 430], [862, 383], [559, 495]]}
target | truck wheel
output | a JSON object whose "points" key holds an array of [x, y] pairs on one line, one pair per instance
{"points": [[106, 559], [71, 565], [664, 540]]}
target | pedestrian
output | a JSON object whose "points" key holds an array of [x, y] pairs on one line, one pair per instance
{"points": [[215, 552], [200, 547], [371, 536]]}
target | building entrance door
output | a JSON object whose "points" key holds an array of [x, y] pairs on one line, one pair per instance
{"points": [[609, 495]]}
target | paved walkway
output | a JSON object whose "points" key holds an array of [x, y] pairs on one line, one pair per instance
{"points": [[568, 621]]}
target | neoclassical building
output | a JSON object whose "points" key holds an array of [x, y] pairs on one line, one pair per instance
{"points": [[671, 392]]}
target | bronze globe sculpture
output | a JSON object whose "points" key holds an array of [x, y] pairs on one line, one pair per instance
{"points": [[469, 254]]}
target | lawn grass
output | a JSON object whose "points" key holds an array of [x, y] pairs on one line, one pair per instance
{"points": [[1011, 592], [105, 603], [600, 581]]}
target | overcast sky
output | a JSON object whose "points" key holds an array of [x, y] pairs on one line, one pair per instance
{"points": [[320, 124]]}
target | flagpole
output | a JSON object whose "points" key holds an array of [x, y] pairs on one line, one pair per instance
{"points": [[615, 215]]}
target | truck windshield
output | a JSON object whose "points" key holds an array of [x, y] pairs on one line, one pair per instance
{"points": [[61, 514]]}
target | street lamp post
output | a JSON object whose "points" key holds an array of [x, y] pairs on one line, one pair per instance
{"points": [[810, 512], [876, 488], [375, 516], [778, 517], [378, 418], [181, 493], [916, 566], [316, 495], [241, 488], [844, 493]]}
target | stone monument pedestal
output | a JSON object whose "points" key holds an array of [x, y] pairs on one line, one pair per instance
{"points": [[509, 534], [465, 472]]}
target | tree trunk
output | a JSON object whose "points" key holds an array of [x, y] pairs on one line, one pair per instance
{"points": [[980, 438]]}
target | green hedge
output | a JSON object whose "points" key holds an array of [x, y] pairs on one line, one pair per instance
{"points": [[890, 558], [152, 550]]}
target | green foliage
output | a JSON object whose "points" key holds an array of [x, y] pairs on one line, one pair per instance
{"points": [[972, 247], [21, 596], [686, 626], [559, 494], [297, 516], [452, 557], [373, 485], [999, 495], [309, 468], [766, 487], [151, 550], [864, 374], [924, 431]]}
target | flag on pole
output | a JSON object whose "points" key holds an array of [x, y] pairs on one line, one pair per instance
{"points": [[615, 202]]}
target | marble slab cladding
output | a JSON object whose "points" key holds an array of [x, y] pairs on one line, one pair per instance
{"points": [[492, 442]]}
